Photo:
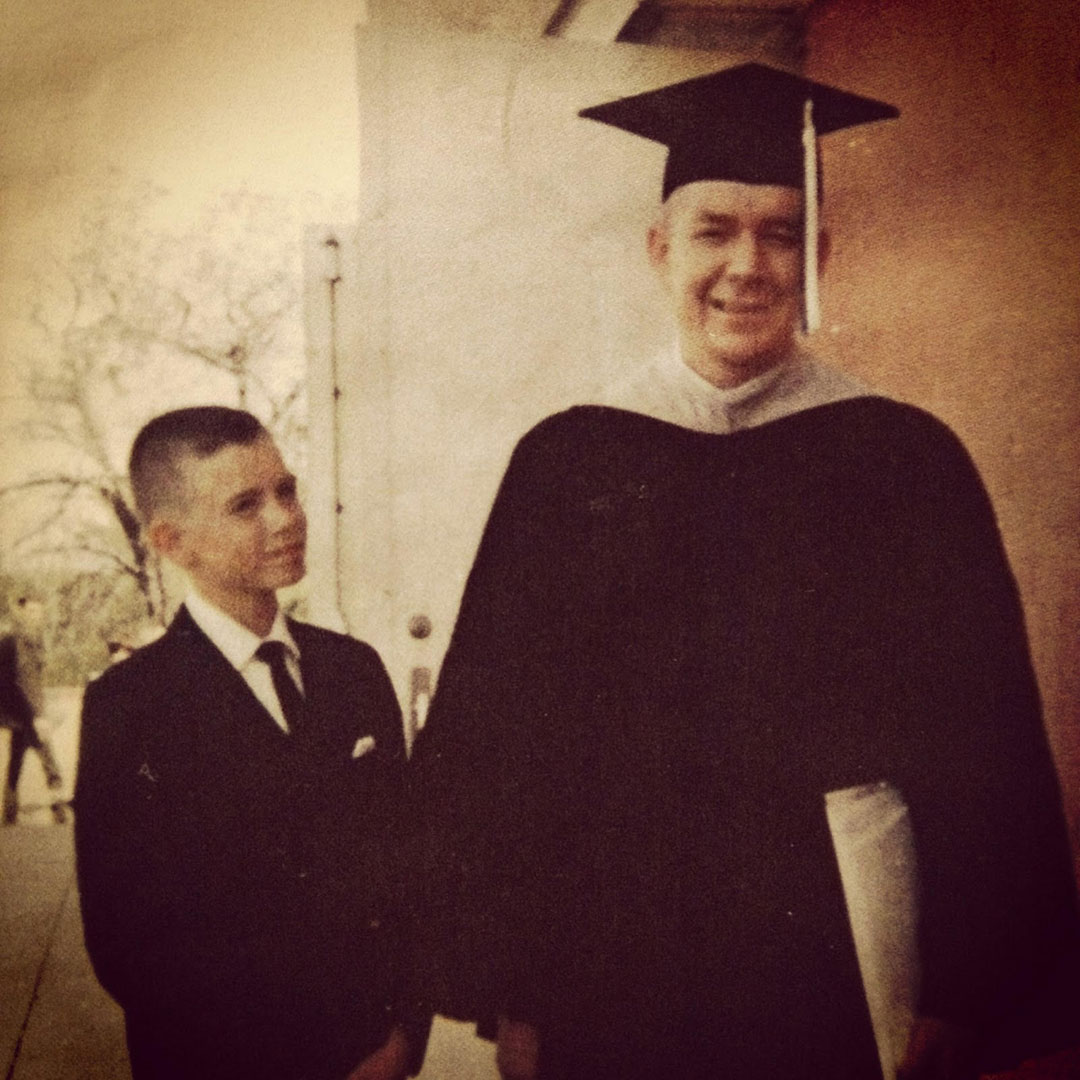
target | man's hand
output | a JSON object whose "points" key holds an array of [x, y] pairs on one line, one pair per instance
{"points": [[517, 1051], [938, 1050], [389, 1062]]}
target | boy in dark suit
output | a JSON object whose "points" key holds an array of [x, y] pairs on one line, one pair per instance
{"points": [[238, 796]]}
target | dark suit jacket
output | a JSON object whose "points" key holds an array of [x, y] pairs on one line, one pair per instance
{"points": [[239, 891]]}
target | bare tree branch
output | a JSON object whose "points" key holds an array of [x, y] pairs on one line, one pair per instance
{"points": [[70, 482], [140, 305], [64, 551]]}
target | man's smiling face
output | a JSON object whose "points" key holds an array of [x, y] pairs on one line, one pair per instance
{"points": [[730, 256]]}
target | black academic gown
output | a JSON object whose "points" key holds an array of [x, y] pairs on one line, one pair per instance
{"points": [[671, 646], [238, 888]]}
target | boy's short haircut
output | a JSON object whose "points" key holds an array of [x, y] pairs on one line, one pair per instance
{"points": [[154, 466]]}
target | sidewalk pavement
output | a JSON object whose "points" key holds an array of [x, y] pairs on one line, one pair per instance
{"points": [[56, 1022]]}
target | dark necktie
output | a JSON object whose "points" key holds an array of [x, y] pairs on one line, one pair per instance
{"points": [[291, 700]]}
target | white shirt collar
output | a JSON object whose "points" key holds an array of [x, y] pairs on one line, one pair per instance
{"points": [[719, 400], [235, 641], [672, 391]]}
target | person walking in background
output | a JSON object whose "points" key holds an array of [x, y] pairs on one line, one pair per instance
{"points": [[22, 699], [238, 799]]}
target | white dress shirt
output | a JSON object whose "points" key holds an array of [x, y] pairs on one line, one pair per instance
{"points": [[238, 644]]}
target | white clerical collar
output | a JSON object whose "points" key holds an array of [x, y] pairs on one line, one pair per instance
{"points": [[722, 402], [671, 390], [234, 640]]}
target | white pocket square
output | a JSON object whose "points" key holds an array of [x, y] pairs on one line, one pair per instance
{"points": [[363, 746]]}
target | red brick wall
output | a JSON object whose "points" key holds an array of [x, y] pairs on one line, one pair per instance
{"points": [[956, 277]]}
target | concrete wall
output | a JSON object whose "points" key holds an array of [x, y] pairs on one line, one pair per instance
{"points": [[956, 277], [498, 274]]}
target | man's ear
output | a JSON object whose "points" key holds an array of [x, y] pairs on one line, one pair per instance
{"points": [[824, 250], [657, 243]]}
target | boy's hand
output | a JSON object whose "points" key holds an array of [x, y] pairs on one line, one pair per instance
{"points": [[517, 1051], [389, 1062]]}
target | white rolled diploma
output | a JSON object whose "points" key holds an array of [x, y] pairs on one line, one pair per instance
{"points": [[875, 850]]}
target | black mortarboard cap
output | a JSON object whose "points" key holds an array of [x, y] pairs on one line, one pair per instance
{"points": [[752, 124], [744, 123]]}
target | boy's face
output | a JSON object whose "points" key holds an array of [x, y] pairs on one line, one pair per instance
{"points": [[239, 529]]}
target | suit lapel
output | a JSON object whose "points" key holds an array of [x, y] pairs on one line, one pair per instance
{"points": [[217, 693], [225, 707]]}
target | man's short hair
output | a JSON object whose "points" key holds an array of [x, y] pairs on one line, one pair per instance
{"points": [[202, 431]]}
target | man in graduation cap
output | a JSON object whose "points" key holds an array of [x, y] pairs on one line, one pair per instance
{"points": [[736, 642]]}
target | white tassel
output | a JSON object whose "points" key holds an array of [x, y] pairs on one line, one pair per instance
{"points": [[811, 297]]}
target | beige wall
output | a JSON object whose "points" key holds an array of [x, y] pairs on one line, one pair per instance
{"points": [[498, 274], [956, 281]]}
